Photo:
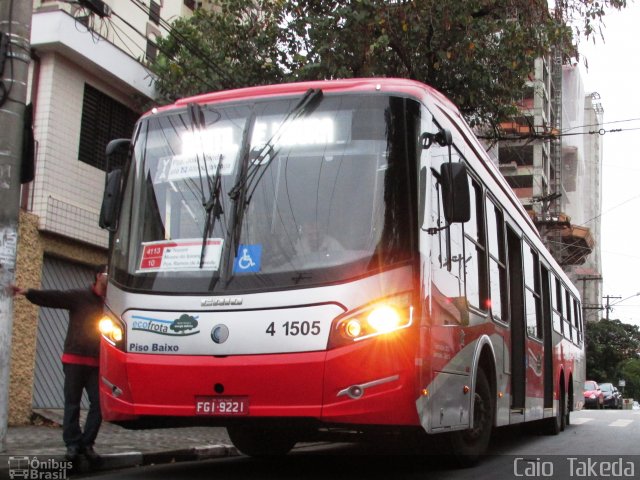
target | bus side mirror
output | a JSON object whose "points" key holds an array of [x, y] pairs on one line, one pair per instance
{"points": [[112, 185], [117, 146], [455, 192], [109, 209]]}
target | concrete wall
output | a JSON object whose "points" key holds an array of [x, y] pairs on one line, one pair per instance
{"points": [[32, 247]]}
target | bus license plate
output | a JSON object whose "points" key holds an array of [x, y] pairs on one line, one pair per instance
{"points": [[222, 406]]}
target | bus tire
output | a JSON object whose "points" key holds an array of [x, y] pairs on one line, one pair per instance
{"points": [[261, 441], [469, 445], [557, 424]]}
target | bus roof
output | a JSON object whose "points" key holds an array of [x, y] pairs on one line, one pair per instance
{"points": [[351, 85]]}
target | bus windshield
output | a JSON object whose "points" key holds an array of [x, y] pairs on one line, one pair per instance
{"points": [[326, 195]]}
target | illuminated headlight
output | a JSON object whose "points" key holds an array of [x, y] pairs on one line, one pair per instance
{"points": [[384, 319], [380, 318], [112, 331], [593, 395]]}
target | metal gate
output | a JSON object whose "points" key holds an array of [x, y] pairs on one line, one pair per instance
{"points": [[57, 274]]}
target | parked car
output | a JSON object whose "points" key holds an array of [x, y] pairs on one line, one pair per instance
{"points": [[636, 405], [593, 396], [612, 397]]}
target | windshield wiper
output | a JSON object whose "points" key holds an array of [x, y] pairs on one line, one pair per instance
{"points": [[250, 176], [249, 182], [212, 205]]}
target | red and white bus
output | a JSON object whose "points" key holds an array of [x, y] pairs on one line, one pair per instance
{"points": [[329, 255]]}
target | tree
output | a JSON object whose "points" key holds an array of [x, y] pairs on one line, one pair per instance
{"points": [[610, 346], [477, 52], [630, 373], [235, 46]]}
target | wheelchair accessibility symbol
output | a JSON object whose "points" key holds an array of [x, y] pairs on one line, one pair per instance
{"points": [[248, 259]]}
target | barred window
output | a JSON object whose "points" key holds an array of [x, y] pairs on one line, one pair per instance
{"points": [[103, 119], [152, 48], [154, 12]]}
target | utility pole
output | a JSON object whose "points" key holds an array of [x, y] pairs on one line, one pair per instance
{"points": [[608, 307], [15, 34], [588, 306]]}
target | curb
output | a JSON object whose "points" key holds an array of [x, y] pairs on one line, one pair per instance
{"points": [[203, 452], [113, 461]]}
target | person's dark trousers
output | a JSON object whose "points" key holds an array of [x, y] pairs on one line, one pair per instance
{"points": [[77, 378]]}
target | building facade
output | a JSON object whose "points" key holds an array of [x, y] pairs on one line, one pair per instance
{"points": [[551, 156], [88, 84]]}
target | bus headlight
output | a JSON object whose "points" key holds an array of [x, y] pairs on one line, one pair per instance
{"points": [[380, 318], [112, 331], [384, 319]]}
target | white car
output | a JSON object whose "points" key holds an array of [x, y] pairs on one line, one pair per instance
{"points": [[636, 405]]}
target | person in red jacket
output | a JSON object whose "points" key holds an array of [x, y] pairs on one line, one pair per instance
{"points": [[80, 358]]}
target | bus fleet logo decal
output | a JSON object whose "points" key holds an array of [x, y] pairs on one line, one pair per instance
{"points": [[173, 328]]}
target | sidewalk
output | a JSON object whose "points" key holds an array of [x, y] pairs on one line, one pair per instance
{"points": [[118, 447]]}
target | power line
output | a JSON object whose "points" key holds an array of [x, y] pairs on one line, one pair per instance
{"points": [[602, 123], [532, 135], [196, 74], [612, 208], [183, 41]]}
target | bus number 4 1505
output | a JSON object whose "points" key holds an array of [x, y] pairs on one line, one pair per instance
{"points": [[296, 328]]}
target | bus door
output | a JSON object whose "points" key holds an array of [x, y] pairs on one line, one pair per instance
{"points": [[534, 334], [548, 338], [517, 351]]}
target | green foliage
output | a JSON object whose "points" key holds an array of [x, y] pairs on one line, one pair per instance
{"points": [[613, 350], [235, 46], [477, 52], [630, 372]]}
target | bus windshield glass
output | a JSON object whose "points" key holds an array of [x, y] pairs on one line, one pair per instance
{"points": [[244, 196]]}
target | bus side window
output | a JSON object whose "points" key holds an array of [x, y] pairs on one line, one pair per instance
{"points": [[447, 253], [532, 292], [498, 287], [475, 250], [566, 314], [555, 302], [560, 307], [439, 248], [577, 322], [455, 249]]}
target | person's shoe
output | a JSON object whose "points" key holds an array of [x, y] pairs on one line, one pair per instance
{"points": [[72, 453], [91, 455]]}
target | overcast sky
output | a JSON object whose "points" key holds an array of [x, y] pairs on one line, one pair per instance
{"points": [[614, 72]]}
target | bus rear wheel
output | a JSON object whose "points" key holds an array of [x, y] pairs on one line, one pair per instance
{"points": [[262, 441], [558, 423], [469, 445]]}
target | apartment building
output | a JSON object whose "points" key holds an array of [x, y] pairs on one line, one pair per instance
{"points": [[553, 164], [88, 84], [582, 121]]}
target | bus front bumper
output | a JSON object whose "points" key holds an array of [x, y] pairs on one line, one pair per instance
{"points": [[349, 385]]}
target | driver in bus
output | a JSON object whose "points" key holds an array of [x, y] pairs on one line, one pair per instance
{"points": [[312, 240]]}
